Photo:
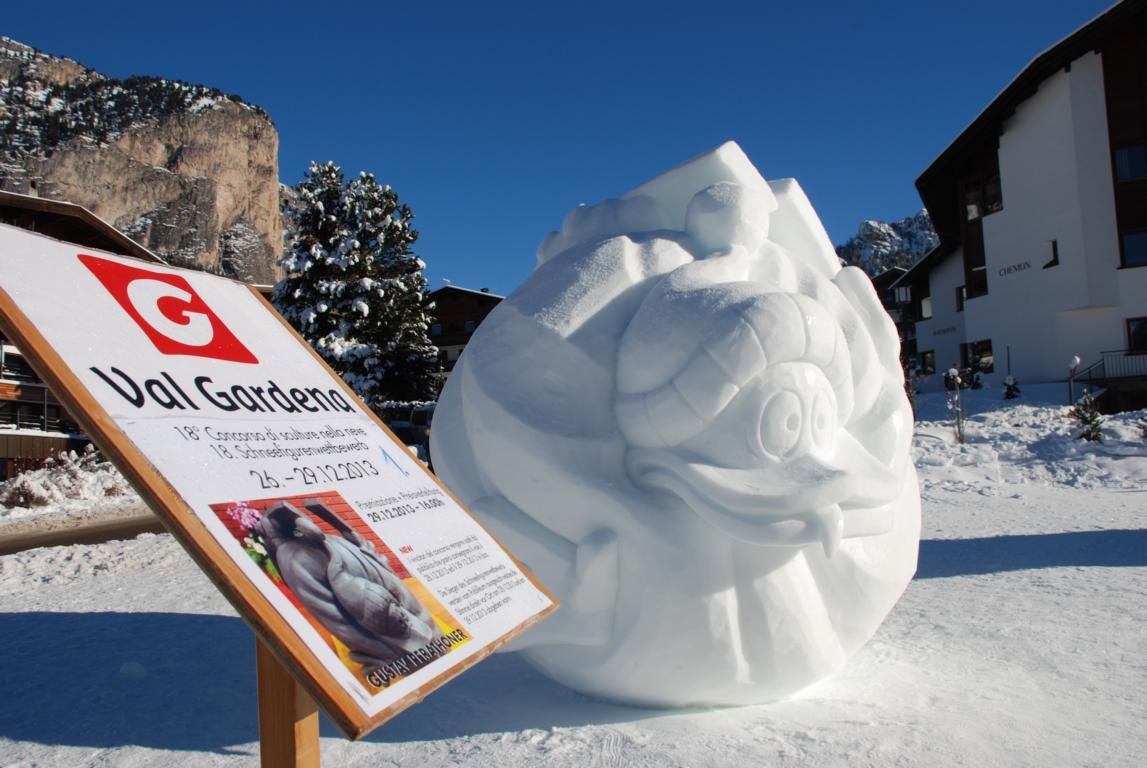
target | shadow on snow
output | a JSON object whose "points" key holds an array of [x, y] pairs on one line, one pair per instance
{"points": [[940, 558], [503, 694], [163, 680], [186, 682]]}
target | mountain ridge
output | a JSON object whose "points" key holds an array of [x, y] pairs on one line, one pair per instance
{"points": [[879, 245], [185, 170]]}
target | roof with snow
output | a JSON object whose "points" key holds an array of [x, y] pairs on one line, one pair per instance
{"points": [[479, 291], [886, 279], [69, 222], [937, 185]]}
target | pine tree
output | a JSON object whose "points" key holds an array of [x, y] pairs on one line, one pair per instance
{"points": [[353, 288], [1086, 412]]}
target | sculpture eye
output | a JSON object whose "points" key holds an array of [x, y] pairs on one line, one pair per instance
{"points": [[781, 424], [823, 420]]}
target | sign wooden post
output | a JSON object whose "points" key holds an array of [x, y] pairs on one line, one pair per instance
{"points": [[288, 717], [366, 579]]}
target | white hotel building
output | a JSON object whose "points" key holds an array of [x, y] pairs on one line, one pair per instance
{"points": [[1041, 209]]}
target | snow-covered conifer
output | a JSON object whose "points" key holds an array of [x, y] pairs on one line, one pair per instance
{"points": [[354, 289], [1086, 412]]}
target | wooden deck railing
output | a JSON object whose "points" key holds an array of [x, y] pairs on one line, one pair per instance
{"points": [[1114, 364]]}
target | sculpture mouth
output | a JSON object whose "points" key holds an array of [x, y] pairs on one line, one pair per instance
{"points": [[794, 503]]}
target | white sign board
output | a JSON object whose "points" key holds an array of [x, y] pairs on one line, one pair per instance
{"points": [[348, 558]]}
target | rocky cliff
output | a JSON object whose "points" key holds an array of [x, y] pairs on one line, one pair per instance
{"points": [[186, 171], [880, 245]]}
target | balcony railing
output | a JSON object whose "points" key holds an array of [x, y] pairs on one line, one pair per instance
{"points": [[31, 418], [1116, 364]]}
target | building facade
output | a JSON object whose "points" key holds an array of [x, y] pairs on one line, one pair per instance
{"points": [[456, 314], [1041, 209]]}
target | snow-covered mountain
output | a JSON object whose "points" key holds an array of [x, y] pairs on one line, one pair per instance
{"points": [[185, 170], [879, 245]]}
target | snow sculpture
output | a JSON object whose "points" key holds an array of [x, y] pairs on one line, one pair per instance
{"points": [[690, 422]]}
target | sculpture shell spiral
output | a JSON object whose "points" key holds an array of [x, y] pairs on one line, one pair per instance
{"points": [[690, 423]]}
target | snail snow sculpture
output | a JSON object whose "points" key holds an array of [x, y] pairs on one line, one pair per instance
{"points": [[690, 422]]}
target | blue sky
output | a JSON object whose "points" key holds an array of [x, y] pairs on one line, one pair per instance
{"points": [[491, 120]]}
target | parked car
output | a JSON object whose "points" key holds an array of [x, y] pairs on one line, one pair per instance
{"points": [[411, 425], [420, 419]]}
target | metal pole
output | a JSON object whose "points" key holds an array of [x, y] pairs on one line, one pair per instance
{"points": [[1072, 365]]}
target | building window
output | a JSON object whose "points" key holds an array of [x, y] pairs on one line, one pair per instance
{"points": [[436, 329], [14, 368], [973, 203], [1130, 163], [1135, 249], [926, 308], [1137, 335], [469, 326], [983, 197], [927, 362], [903, 295], [979, 356], [961, 294], [993, 194]]}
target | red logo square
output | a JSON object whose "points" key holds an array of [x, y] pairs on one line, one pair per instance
{"points": [[166, 308]]}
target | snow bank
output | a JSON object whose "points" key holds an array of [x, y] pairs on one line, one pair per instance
{"points": [[1029, 440], [70, 482]]}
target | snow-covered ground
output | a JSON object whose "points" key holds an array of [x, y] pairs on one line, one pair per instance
{"points": [[1019, 643]]}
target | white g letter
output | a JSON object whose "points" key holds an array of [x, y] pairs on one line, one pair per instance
{"points": [[144, 295]]}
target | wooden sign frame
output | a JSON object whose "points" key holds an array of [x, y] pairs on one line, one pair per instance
{"points": [[271, 628]]}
